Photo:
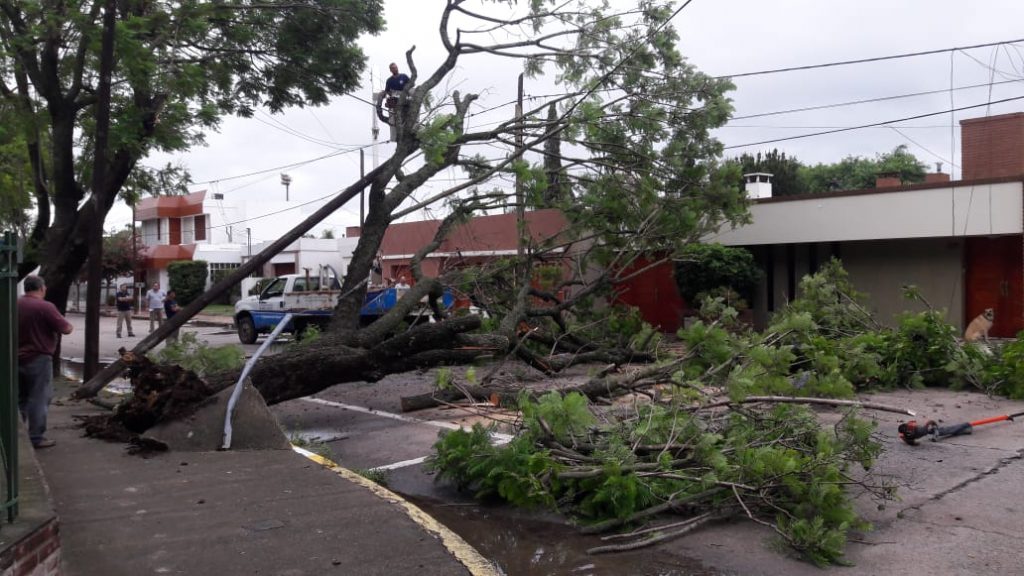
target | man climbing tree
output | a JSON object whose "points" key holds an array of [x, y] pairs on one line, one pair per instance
{"points": [[637, 177]]}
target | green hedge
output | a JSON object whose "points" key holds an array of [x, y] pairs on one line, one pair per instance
{"points": [[187, 279], [232, 295], [706, 267]]}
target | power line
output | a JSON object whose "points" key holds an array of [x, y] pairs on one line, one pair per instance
{"points": [[869, 100], [284, 166], [815, 127], [873, 124], [867, 60], [922, 147]]}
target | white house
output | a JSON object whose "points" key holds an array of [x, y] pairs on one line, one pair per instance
{"points": [[960, 242], [204, 226]]}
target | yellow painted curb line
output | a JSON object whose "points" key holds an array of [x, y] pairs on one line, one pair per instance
{"points": [[463, 552]]}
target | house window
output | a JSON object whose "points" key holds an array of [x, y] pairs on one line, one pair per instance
{"points": [[159, 227], [200, 227]]}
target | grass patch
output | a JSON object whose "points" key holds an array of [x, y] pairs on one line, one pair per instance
{"points": [[219, 310], [375, 475]]}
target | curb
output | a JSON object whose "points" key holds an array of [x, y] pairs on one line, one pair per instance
{"points": [[463, 552]]}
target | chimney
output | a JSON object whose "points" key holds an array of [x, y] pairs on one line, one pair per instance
{"points": [[938, 176], [992, 147], [758, 185], [888, 180]]}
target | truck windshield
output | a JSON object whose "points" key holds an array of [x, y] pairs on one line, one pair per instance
{"points": [[276, 288]]}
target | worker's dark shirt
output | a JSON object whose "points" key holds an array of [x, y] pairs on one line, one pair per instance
{"points": [[396, 84], [170, 308], [39, 324], [125, 304]]}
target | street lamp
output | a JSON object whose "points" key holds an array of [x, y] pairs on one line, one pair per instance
{"points": [[286, 180]]}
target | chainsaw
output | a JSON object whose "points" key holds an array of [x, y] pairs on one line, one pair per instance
{"points": [[911, 431]]}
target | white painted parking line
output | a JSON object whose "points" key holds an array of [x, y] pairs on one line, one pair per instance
{"points": [[402, 464], [497, 437], [440, 424]]}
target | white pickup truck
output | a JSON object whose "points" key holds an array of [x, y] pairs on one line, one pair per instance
{"points": [[310, 300]]}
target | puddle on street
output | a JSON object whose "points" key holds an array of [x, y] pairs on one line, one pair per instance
{"points": [[74, 369], [530, 547]]}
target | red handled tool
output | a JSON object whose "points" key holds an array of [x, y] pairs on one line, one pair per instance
{"points": [[911, 431]]}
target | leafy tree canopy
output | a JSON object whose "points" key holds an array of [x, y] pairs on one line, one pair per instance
{"points": [[857, 173], [790, 176], [179, 67], [785, 170]]}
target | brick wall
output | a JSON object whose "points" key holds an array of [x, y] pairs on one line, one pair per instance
{"points": [[36, 554], [992, 147]]}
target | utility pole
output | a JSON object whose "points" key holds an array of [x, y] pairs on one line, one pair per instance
{"points": [[520, 201], [287, 181], [374, 128], [362, 192], [135, 250]]}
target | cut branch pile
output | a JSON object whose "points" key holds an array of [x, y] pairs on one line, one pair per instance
{"points": [[772, 464]]}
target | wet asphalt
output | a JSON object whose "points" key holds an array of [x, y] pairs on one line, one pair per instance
{"points": [[959, 509]]}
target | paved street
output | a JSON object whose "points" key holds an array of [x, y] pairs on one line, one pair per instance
{"points": [[73, 346], [958, 510]]}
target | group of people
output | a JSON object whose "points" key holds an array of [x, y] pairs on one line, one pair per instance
{"points": [[401, 284], [159, 303]]}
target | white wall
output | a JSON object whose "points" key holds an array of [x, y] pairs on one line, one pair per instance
{"points": [[220, 253], [952, 211], [310, 253], [223, 213]]}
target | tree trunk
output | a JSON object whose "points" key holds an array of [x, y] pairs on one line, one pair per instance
{"points": [[94, 296], [306, 369]]}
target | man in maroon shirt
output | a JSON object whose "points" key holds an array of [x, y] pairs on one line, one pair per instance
{"points": [[39, 327]]}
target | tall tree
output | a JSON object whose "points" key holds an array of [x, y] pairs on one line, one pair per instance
{"points": [[178, 68], [784, 170], [15, 179], [637, 181], [858, 173]]}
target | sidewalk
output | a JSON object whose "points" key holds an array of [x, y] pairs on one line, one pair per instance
{"points": [[234, 512]]}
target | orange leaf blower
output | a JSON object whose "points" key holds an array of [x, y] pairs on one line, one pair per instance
{"points": [[911, 431]]}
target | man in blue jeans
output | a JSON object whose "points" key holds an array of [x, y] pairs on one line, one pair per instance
{"points": [[39, 328]]}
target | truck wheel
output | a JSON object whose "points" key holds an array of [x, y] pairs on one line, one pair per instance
{"points": [[299, 326], [247, 330]]}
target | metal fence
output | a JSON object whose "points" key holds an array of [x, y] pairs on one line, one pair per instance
{"points": [[9, 371]]}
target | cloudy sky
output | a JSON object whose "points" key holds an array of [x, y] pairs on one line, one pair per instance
{"points": [[721, 37]]}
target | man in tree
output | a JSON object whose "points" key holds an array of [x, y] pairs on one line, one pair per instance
{"points": [[394, 86], [39, 327], [643, 180]]}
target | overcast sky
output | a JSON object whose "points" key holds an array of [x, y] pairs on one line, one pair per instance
{"points": [[721, 37]]}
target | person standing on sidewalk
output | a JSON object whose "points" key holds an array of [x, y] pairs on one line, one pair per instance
{"points": [[123, 299], [39, 327], [171, 308], [155, 302]]}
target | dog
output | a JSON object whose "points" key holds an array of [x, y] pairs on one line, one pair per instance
{"points": [[979, 327]]}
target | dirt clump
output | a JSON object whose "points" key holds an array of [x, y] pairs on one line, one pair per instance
{"points": [[160, 393]]}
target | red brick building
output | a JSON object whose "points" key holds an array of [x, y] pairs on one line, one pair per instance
{"points": [[481, 239]]}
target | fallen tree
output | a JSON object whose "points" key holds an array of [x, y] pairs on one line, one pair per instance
{"points": [[624, 152]]}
